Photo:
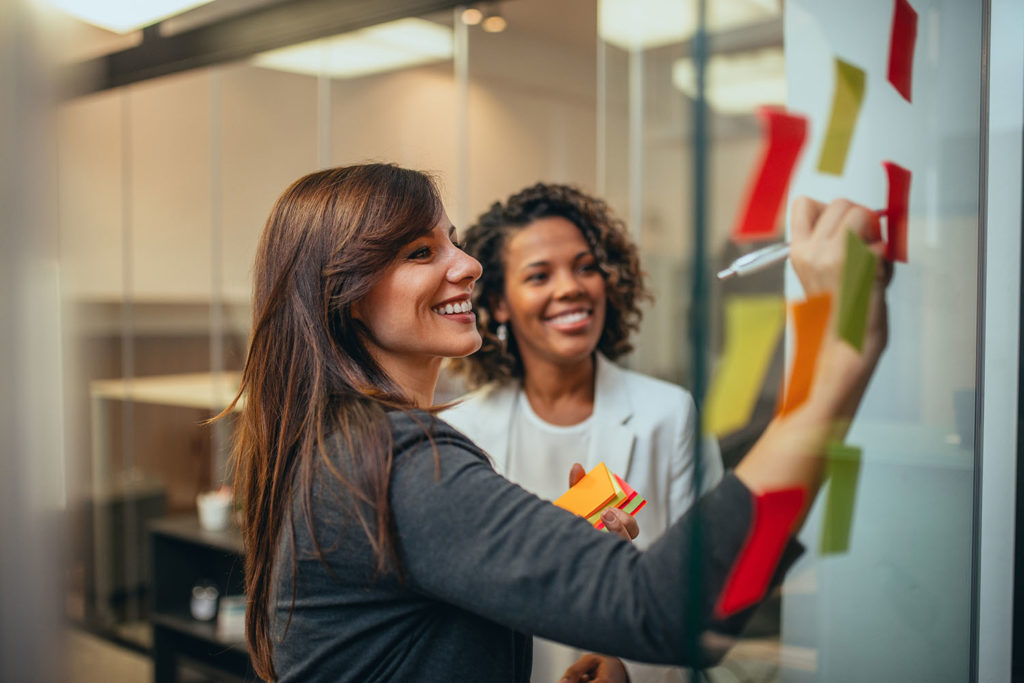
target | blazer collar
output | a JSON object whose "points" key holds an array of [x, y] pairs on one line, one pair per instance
{"points": [[611, 440]]}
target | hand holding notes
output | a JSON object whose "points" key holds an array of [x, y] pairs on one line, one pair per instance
{"points": [[603, 499]]}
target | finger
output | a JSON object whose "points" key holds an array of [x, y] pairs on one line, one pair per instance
{"points": [[803, 215], [830, 220], [863, 221], [620, 523], [581, 670], [576, 472]]}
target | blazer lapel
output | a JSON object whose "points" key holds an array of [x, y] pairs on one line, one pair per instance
{"points": [[497, 422], [612, 438]]}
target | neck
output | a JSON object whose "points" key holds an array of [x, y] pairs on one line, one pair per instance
{"points": [[416, 378], [560, 394]]}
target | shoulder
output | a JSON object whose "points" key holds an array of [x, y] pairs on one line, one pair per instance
{"points": [[650, 397], [490, 399], [417, 431]]}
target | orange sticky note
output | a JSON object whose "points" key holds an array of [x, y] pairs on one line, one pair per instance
{"points": [[810, 318], [590, 494], [774, 516], [785, 134]]}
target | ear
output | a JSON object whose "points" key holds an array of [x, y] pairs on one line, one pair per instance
{"points": [[499, 309]]}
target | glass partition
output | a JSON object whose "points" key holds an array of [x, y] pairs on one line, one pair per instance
{"points": [[164, 186]]}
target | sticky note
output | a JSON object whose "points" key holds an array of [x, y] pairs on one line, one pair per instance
{"points": [[753, 327], [897, 208], [810, 318], [634, 502], [843, 469], [774, 518], [855, 290], [901, 47], [846, 99], [784, 136], [590, 494]]}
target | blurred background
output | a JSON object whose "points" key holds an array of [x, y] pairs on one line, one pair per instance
{"points": [[145, 152]]}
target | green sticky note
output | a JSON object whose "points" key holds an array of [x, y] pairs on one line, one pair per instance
{"points": [[843, 470], [846, 101], [855, 291]]}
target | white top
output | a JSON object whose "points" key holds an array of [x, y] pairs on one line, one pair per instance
{"points": [[540, 453]]}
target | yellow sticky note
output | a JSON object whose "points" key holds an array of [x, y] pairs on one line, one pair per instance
{"points": [[753, 326], [590, 494], [846, 101]]}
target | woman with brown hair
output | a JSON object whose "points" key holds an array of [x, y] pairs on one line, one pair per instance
{"points": [[380, 543], [557, 302]]}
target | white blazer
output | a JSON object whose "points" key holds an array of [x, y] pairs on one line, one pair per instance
{"points": [[643, 430]]}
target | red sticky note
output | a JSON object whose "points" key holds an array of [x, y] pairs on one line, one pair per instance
{"points": [[774, 519], [785, 134], [810, 319], [896, 211], [901, 47]]}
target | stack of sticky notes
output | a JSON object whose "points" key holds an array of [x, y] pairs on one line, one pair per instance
{"points": [[598, 490]]}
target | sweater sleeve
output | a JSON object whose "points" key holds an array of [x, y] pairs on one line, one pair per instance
{"points": [[471, 538]]}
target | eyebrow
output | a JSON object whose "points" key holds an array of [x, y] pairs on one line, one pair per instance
{"points": [[541, 264]]}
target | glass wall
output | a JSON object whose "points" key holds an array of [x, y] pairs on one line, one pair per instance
{"points": [[165, 184]]}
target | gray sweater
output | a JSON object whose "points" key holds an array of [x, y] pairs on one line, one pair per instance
{"points": [[486, 564]]}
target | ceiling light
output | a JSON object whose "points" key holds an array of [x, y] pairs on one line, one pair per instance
{"points": [[123, 16], [471, 16], [385, 47], [643, 24], [737, 83], [494, 23]]}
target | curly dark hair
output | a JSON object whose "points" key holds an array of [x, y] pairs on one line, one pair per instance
{"points": [[609, 241]]}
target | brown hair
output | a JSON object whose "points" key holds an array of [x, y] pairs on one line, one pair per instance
{"points": [[606, 235], [308, 373]]}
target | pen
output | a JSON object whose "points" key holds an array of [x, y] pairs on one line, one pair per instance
{"points": [[755, 261]]}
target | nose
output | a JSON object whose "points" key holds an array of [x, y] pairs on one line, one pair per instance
{"points": [[567, 285], [464, 268]]}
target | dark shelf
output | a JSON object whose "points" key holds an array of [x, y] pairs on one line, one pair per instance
{"points": [[203, 630]]}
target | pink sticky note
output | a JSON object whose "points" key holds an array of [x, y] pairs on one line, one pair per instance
{"points": [[785, 134], [896, 211], [901, 47], [775, 516]]}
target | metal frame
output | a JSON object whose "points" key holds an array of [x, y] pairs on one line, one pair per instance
{"points": [[235, 37]]}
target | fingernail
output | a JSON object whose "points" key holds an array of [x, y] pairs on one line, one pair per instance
{"points": [[608, 517]]}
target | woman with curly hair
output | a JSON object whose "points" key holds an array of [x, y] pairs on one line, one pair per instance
{"points": [[559, 297]]}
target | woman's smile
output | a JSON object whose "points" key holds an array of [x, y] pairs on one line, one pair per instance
{"points": [[575, 320]]}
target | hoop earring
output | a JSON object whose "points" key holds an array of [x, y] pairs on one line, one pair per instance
{"points": [[502, 333]]}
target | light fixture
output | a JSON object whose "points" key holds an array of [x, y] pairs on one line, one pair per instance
{"points": [[385, 47], [471, 16], [737, 83], [643, 24], [124, 16], [494, 24], [493, 21]]}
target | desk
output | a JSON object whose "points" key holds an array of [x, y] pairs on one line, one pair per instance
{"points": [[184, 554]]}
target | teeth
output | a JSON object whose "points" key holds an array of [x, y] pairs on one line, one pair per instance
{"points": [[570, 318], [459, 307]]}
